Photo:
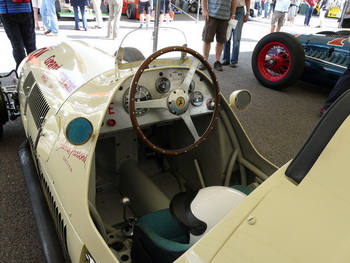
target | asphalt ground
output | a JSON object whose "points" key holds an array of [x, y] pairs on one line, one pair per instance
{"points": [[277, 122]]}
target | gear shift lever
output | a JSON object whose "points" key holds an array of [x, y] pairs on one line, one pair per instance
{"points": [[128, 227]]}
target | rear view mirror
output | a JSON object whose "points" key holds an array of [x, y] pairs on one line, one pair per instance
{"points": [[240, 99]]}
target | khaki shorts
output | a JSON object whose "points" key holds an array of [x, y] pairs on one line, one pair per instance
{"points": [[278, 18], [215, 27]]}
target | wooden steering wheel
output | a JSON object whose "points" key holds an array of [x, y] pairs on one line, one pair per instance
{"points": [[177, 101]]}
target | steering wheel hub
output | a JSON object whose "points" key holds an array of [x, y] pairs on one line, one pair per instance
{"points": [[178, 101]]}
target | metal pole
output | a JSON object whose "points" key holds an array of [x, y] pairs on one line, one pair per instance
{"points": [[156, 26], [199, 6], [345, 7]]}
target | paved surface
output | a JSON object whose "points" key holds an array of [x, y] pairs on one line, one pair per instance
{"points": [[278, 123]]}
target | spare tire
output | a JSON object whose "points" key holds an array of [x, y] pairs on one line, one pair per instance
{"points": [[131, 11], [278, 60]]}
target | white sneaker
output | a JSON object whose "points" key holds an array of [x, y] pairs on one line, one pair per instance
{"points": [[52, 34]]}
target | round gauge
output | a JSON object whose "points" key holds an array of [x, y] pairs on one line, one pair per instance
{"points": [[196, 98], [142, 94], [191, 87], [163, 85]]}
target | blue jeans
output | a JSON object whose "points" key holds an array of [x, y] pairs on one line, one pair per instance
{"points": [[76, 16], [308, 15], [266, 7], [19, 29], [236, 39], [48, 14]]}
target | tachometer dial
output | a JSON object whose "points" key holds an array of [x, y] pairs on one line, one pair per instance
{"points": [[163, 85], [142, 94], [196, 98]]}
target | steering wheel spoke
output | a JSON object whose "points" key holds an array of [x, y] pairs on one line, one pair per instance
{"points": [[190, 125], [187, 81], [152, 104]]}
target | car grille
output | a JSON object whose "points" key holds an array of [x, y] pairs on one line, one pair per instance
{"points": [[38, 106], [28, 83]]}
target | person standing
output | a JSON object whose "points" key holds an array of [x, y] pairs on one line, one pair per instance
{"points": [[292, 11], [216, 14], [278, 16], [144, 12], [18, 22], [98, 13], [48, 14], [310, 9], [242, 15], [115, 11], [164, 11], [79, 5], [323, 9]]}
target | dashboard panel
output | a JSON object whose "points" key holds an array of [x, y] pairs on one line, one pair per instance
{"points": [[154, 84]]}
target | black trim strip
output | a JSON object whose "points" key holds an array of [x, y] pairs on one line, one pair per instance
{"points": [[320, 137]]}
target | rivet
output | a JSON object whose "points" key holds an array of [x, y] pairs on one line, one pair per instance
{"points": [[251, 220]]}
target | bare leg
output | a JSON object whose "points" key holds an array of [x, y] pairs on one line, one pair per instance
{"points": [[36, 18], [272, 29], [278, 29], [206, 50], [218, 50], [141, 19]]}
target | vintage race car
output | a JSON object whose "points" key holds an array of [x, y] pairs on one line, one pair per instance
{"points": [[141, 159], [280, 59]]}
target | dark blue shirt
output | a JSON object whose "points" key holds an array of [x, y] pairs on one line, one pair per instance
{"points": [[9, 7]]}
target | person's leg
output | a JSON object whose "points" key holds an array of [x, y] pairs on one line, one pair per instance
{"points": [[206, 49], [13, 32], [43, 12], [28, 33], [36, 18], [98, 13], [83, 16], [218, 50], [76, 17], [117, 14], [227, 51], [237, 34], [51, 15], [305, 19], [148, 12], [111, 18]]}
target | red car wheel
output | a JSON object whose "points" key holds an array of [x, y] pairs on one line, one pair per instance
{"points": [[278, 60]]}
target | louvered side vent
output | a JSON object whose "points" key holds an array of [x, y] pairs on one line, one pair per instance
{"points": [[61, 227], [28, 83], [335, 58], [38, 106]]}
